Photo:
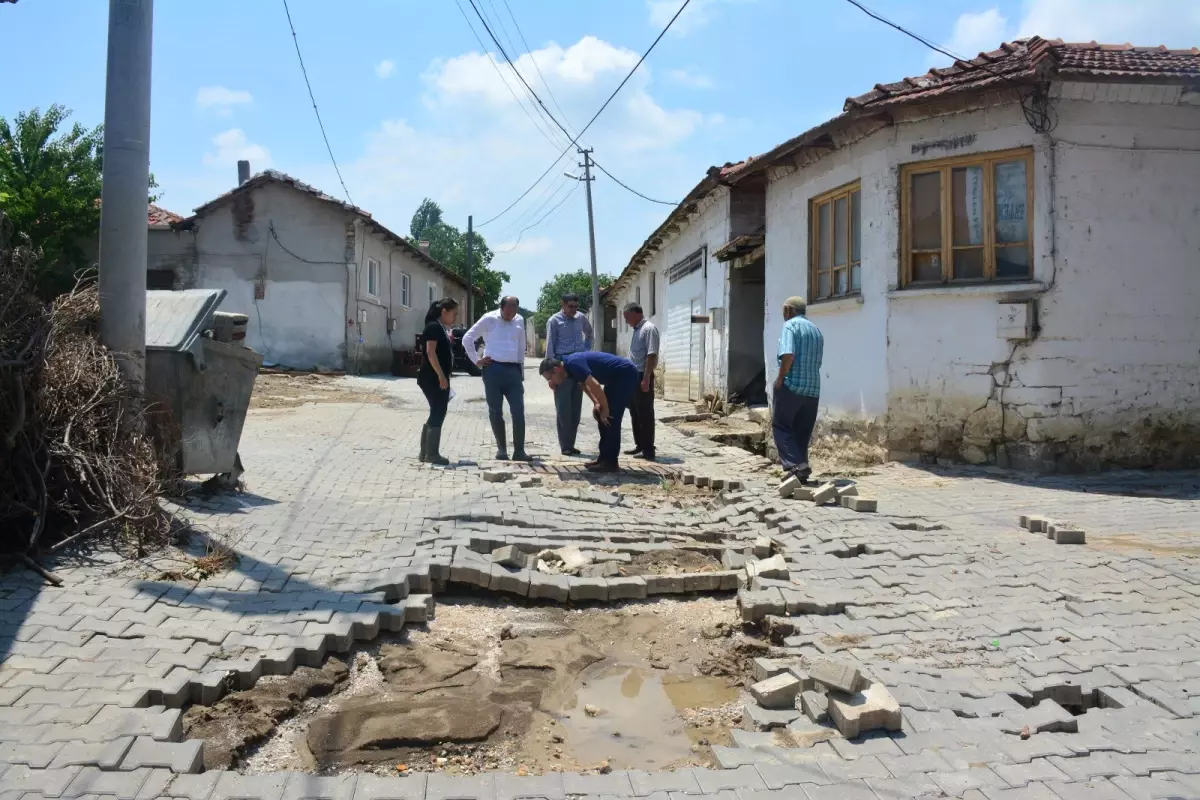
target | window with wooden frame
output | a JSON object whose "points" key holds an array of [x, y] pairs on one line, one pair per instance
{"points": [[835, 243], [967, 220]]}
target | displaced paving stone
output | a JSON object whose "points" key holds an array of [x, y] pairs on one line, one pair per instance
{"points": [[1069, 536], [585, 589], [756, 605], [632, 588], [549, 587], [777, 692], [758, 718], [873, 708], [762, 547], [839, 675], [815, 706], [1037, 524], [826, 493], [604, 569], [179, 757], [1046, 717], [789, 485], [860, 504], [497, 475], [775, 568], [803, 493], [510, 556]]}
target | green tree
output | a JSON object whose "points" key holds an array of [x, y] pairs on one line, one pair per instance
{"points": [[50, 185], [448, 245], [578, 282], [50, 189]]}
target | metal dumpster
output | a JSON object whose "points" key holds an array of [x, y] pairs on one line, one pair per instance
{"points": [[197, 388]]}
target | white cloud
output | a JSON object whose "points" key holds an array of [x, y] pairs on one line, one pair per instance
{"points": [[233, 146], [474, 150], [976, 33], [385, 68], [221, 100], [698, 14], [1175, 23], [690, 79]]}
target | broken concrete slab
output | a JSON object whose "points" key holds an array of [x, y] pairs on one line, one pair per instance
{"points": [[757, 718], [510, 556], [871, 709], [777, 692], [841, 676]]}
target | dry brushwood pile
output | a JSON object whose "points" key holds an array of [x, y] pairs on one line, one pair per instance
{"points": [[74, 461]]}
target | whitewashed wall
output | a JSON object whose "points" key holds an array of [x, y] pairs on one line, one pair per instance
{"points": [[708, 228], [310, 314], [1116, 280]]}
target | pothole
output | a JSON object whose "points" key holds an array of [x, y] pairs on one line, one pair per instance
{"points": [[491, 685]]}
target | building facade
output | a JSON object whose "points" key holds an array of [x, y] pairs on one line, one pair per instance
{"points": [[325, 286]]}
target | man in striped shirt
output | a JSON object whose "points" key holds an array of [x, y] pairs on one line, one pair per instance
{"points": [[797, 387], [568, 332]]}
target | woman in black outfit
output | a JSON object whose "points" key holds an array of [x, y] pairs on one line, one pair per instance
{"points": [[434, 377]]}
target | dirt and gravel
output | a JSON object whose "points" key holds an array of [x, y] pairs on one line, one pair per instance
{"points": [[491, 685], [276, 390]]}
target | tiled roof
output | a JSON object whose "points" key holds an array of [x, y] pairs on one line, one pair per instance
{"points": [[1026, 61], [281, 178], [1035, 58], [156, 215]]}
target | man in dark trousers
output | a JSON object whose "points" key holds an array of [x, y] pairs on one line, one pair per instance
{"points": [[797, 387], [610, 381], [643, 352]]}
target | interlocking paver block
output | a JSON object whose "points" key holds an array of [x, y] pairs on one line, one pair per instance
{"points": [[374, 787], [777, 692], [232, 786], [121, 785], [461, 787], [840, 675], [179, 757], [614, 784], [313, 787], [105, 755], [46, 782], [740, 779]]}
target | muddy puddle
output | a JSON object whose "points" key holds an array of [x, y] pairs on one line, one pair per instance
{"points": [[500, 686]]}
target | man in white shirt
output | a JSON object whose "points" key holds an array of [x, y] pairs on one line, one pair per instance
{"points": [[503, 365]]}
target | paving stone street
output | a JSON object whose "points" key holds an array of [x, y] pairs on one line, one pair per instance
{"points": [[1024, 668]]}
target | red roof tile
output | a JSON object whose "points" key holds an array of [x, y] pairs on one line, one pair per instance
{"points": [[1032, 58], [156, 215]]}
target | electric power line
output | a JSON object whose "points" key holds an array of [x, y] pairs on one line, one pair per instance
{"points": [[538, 69], [540, 221], [532, 210], [630, 188], [575, 139], [316, 111], [540, 127]]}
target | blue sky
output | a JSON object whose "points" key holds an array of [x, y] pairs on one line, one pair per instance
{"points": [[413, 108]]}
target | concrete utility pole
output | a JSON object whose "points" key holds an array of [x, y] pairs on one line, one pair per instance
{"points": [[597, 313], [126, 186], [470, 271]]}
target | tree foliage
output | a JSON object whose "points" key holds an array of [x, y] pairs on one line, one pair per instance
{"points": [[50, 183], [448, 245], [578, 282], [49, 187]]}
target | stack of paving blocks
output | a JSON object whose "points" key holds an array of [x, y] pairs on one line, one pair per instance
{"points": [[1060, 532], [846, 495], [829, 693]]}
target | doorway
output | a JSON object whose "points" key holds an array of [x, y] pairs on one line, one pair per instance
{"points": [[747, 319]]}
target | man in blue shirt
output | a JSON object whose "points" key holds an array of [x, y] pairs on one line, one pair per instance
{"points": [[610, 382], [797, 387]]}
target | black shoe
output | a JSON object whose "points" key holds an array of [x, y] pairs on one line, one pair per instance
{"points": [[646, 456], [521, 455], [602, 466], [575, 451], [635, 451]]}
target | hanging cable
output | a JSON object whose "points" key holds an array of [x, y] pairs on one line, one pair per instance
{"points": [[611, 97], [316, 111], [536, 68], [547, 215], [627, 188]]}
